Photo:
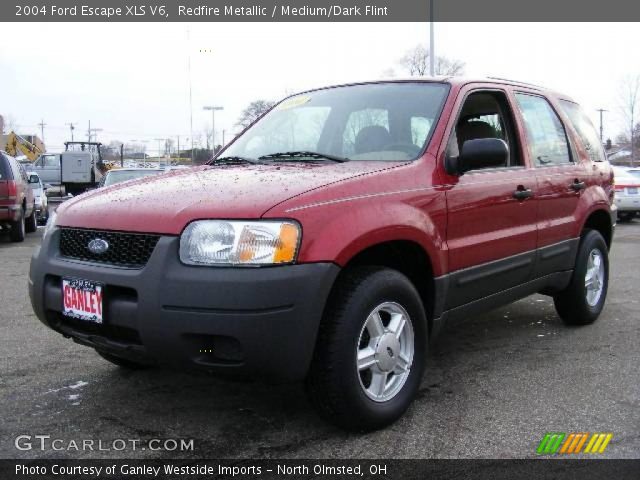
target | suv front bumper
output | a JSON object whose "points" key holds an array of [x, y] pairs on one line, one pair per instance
{"points": [[250, 321]]}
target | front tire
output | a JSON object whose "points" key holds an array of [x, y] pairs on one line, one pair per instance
{"points": [[583, 300], [370, 351]]}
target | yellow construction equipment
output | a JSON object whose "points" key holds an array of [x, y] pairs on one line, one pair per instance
{"points": [[19, 145]]}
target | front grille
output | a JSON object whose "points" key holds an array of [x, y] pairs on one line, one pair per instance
{"points": [[125, 249]]}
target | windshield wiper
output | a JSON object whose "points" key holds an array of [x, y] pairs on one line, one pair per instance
{"points": [[233, 160], [303, 154]]}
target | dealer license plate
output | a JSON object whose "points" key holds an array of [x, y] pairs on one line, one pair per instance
{"points": [[82, 299]]}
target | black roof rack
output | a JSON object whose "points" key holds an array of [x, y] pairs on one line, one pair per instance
{"points": [[517, 82]]}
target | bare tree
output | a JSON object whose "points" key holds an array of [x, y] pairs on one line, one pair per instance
{"points": [[629, 104], [254, 110], [416, 62], [10, 124], [168, 146]]}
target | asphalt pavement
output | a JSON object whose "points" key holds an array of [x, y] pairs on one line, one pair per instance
{"points": [[494, 385]]}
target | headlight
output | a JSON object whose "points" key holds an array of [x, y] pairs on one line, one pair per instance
{"points": [[220, 242], [51, 223]]}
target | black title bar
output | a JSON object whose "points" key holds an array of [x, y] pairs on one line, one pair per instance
{"points": [[318, 10]]}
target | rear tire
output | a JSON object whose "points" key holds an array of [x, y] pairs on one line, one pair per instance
{"points": [[583, 300], [370, 351], [31, 223], [18, 229], [44, 218], [123, 362], [625, 217]]}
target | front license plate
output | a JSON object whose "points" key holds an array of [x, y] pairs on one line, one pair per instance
{"points": [[82, 299], [632, 191]]}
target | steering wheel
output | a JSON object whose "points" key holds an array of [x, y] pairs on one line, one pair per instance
{"points": [[408, 148]]}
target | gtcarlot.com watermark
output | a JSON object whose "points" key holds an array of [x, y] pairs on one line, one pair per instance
{"points": [[48, 443]]}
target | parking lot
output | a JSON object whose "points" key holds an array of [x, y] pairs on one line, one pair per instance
{"points": [[493, 386]]}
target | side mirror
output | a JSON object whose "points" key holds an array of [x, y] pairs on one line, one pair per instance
{"points": [[34, 179], [478, 153]]}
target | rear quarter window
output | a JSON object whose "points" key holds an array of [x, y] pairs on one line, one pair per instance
{"points": [[5, 168], [585, 130]]}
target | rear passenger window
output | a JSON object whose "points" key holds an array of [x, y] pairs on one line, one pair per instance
{"points": [[5, 168], [548, 142], [585, 130]]}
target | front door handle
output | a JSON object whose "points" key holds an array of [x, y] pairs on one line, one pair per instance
{"points": [[577, 185], [522, 193]]}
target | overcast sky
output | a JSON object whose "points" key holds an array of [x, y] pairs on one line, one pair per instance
{"points": [[132, 80]]}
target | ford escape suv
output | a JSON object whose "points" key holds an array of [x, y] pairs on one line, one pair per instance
{"points": [[336, 236]]}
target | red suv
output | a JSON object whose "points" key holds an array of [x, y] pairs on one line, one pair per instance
{"points": [[17, 203], [335, 237]]}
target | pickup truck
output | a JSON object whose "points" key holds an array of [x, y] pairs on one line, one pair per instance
{"points": [[74, 170], [333, 239]]}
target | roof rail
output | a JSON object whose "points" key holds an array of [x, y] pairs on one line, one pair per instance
{"points": [[517, 82]]}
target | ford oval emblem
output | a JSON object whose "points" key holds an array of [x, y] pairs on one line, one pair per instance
{"points": [[98, 246]]}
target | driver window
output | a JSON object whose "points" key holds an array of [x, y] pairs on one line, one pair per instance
{"points": [[485, 115]]}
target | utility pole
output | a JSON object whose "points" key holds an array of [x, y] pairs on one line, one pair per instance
{"points": [[213, 109], [432, 48], [93, 132], [72, 127], [159, 147], [178, 148], [601, 110], [42, 125]]}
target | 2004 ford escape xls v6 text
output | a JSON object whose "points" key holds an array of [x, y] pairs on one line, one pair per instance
{"points": [[336, 235]]}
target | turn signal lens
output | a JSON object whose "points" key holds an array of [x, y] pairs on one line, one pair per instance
{"points": [[287, 244]]}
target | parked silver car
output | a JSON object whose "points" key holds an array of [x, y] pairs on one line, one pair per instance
{"points": [[627, 193], [119, 175], [40, 196]]}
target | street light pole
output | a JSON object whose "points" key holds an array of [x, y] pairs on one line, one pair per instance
{"points": [[601, 110], [213, 124], [432, 49]]}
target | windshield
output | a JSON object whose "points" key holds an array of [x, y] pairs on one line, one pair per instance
{"points": [[117, 176], [385, 121]]}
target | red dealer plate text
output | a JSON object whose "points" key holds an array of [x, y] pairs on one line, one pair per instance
{"points": [[82, 299]]}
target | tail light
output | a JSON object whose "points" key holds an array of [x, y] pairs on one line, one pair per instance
{"points": [[619, 188], [12, 189]]}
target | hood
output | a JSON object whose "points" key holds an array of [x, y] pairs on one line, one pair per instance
{"points": [[167, 203]]}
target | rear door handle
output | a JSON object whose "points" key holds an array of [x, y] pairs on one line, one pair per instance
{"points": [[522, 193], [577, 185]]}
